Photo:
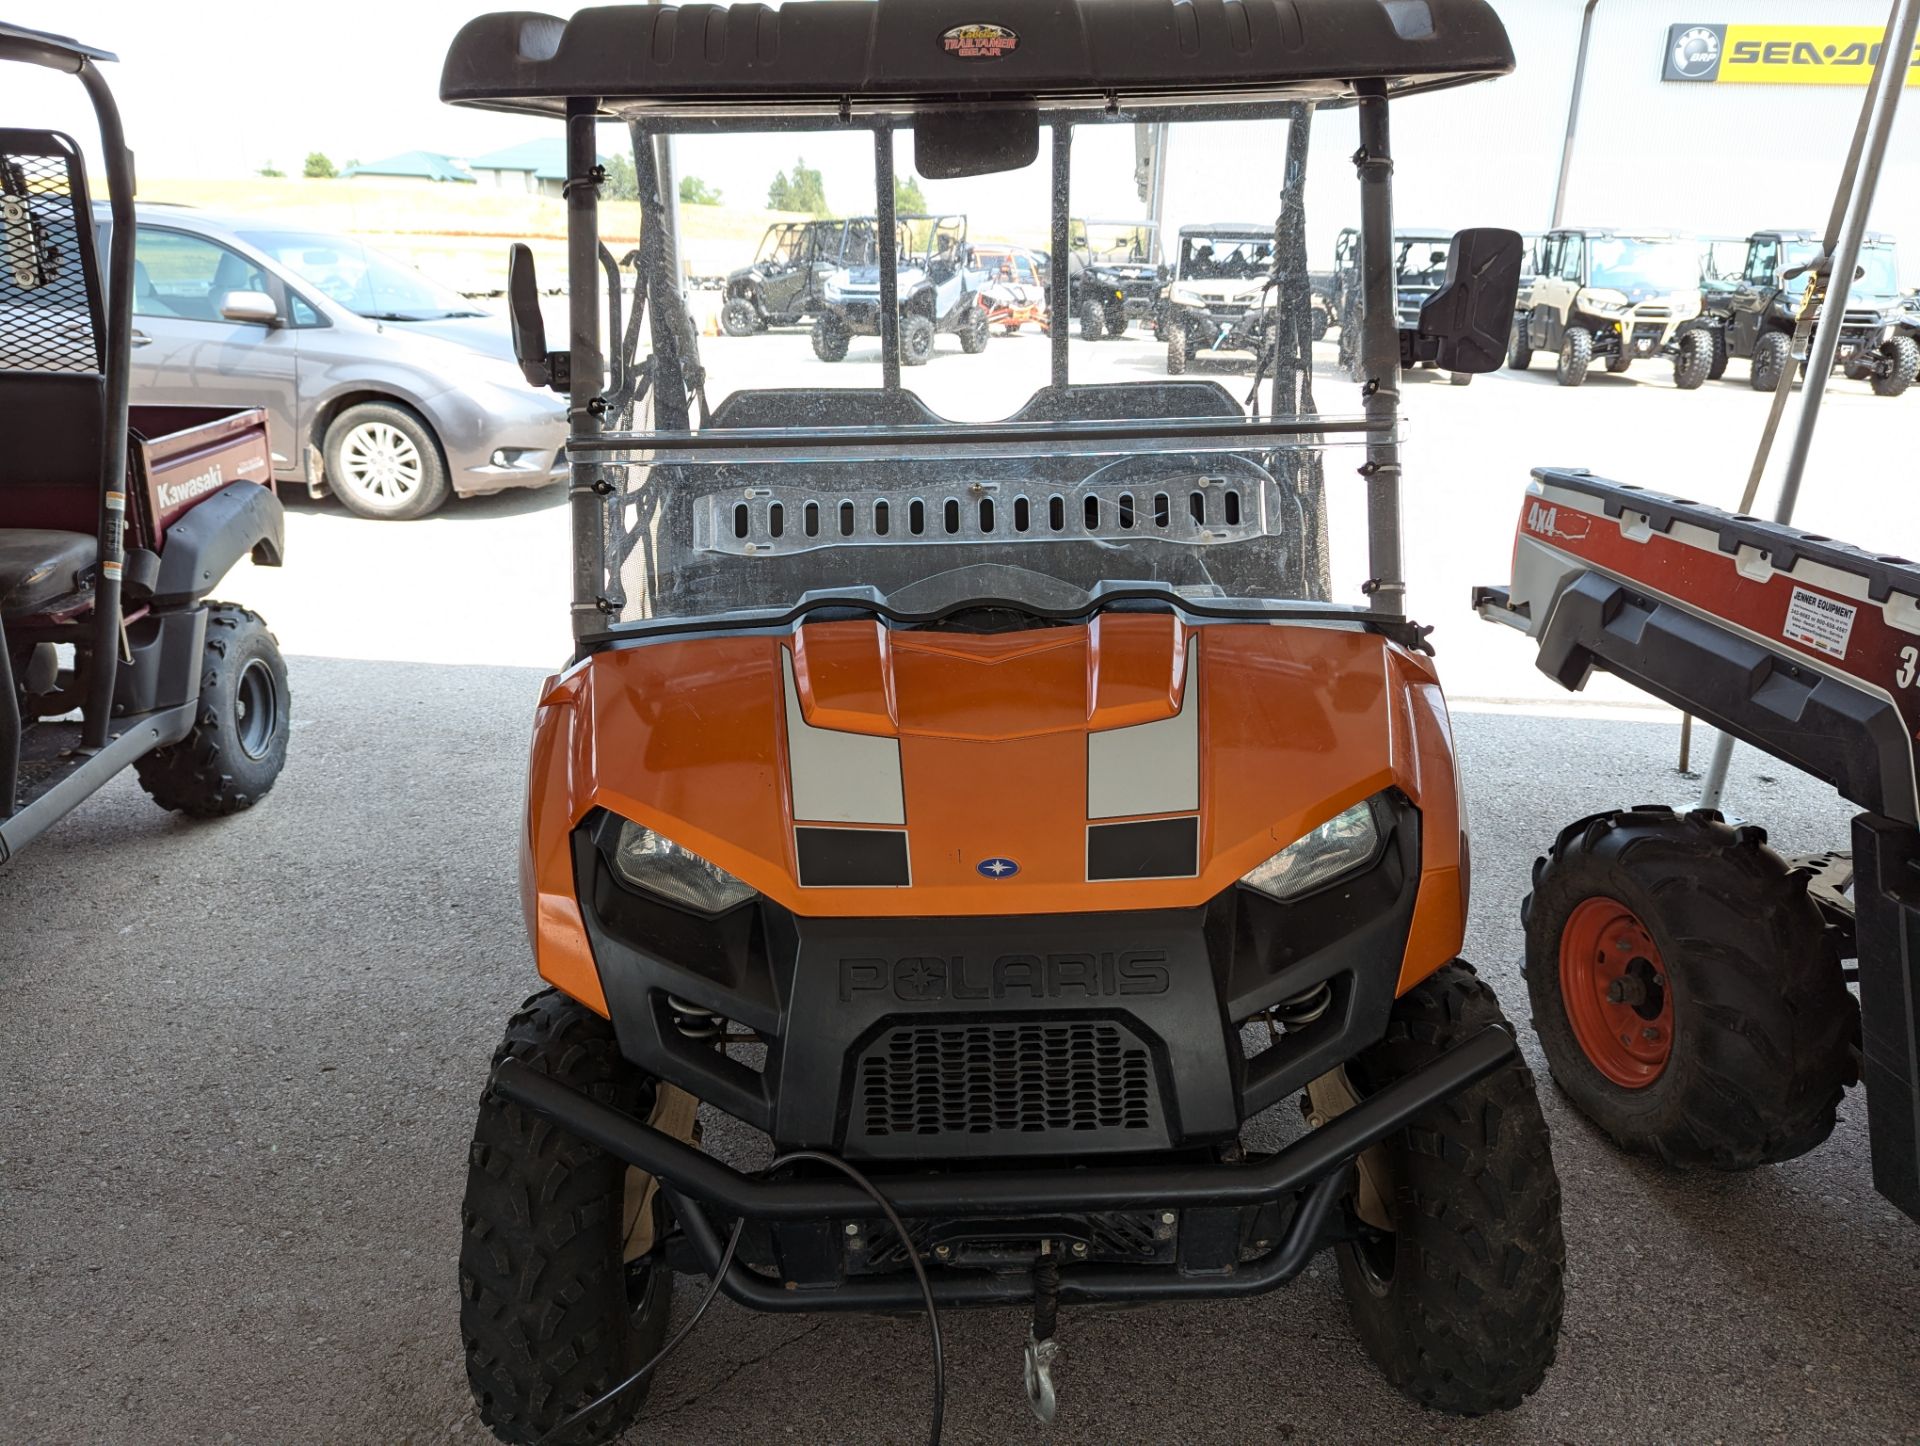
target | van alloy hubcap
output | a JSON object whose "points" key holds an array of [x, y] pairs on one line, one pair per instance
{"points": [[381, 461], [1617, 994]]}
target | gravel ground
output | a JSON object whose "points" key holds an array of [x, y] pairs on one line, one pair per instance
{"points": [[238, 1065]]}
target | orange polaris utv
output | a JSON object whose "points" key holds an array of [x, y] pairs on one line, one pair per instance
{"points": [[977, 790]]}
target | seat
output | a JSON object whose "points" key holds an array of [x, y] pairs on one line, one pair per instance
{"points": [[39, 567]]}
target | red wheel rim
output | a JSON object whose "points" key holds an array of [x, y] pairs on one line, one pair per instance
{"points": [[1618, 998]]}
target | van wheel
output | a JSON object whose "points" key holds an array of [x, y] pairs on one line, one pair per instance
{"points": [[738, 318], [1901, 360], [239, 740], [1772, 362], [551, 1312], [830, 338], [1460, 1302], [916, 340], [1693, 364], [1685, 991], [1576, 355], [384, 462]]}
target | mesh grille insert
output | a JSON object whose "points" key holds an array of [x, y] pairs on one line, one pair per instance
{"points": [[1039, 1078], [47, 315]]}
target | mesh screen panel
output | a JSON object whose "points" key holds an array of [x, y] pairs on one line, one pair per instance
{"points": [[49, 312]]}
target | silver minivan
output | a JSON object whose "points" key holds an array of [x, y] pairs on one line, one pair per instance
{"points": [[381, 386]]}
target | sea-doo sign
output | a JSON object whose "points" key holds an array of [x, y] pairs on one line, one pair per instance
{"points": [[1773, 54]]}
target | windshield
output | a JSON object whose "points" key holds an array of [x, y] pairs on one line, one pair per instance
{"points": [[1006, 463], [1626, 263], [1114, 241], [1879, 278], [1422, 260], [1225, 258], [360, 278], [785, 245]]}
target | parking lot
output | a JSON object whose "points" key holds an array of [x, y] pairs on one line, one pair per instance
{"points": [[239, 1061]]}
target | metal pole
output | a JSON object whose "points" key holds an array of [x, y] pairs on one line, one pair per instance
{"points": [[587, 364], [1846, 228], [1573, 115], [889, 238], [1060, 261], [104, 665], [1157, 205], [1380, 352]]}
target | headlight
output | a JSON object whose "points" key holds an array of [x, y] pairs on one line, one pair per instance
{"points": [[660, 866], [1604, 303], [1340, 846], [1187, 296]]}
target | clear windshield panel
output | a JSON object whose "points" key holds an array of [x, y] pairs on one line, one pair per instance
{"points": [[1422, 260], [360, 278], [1879, 269], [1626, 263], [795, 462]]}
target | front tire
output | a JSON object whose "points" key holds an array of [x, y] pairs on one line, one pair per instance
{"points": [[384, 462], [974, 333], [1693, 363], [1902, 364], [830, 338], [1576, 355], [1685, 990], [1618, 363], [1176, 351], [916, 340], [239, 740], [738, 318], [1519, 346], [1459, 379], [1772, 364], [1460, 1303], [1116, 319], [551, 1315], [1093, 321]]}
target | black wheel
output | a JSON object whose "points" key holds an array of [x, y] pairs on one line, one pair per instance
{"points": [[551, 1312], [1693, 363], [1321, 324], [1685, 990], [1176, 350], [1619, 362], [973, 332], [1116, 318], [1093, 321], [1459, 1302], [738, 318], [1459, 379], [239, 740], [1576, 355], [383, 461], [1719, 367], [1900, 364], [916, 340], [1519, 346], [1772, 362], [830, 338]]}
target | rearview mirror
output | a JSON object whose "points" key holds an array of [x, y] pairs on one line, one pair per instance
{"points": [[529, 326], [250, 306], [950, 144], [1464, 326]]}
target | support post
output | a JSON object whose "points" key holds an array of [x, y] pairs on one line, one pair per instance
{"points": [[1380, 353], [887, 223], [1573, 116], [1060, 251], [587, 365]]}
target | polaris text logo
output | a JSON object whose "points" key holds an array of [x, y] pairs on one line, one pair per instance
{"points": [[176, 494], [931, 978]]}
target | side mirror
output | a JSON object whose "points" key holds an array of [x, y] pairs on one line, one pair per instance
{"points": [[540, 367], [1464, 326], [255, 307]]}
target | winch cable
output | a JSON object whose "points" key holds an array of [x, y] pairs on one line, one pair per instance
{"points": [[794, 1157]]}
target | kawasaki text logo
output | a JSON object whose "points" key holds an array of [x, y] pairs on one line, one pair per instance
{"points": [[174, 494]]}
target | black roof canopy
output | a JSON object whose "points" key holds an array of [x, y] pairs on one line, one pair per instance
{"points": [[900, 55]]}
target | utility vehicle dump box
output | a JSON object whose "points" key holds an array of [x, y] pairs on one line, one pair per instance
{"points": [[1807, 649], [178, 455]]}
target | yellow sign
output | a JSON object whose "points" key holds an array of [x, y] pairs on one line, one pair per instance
{"points": [[1775, 54]]}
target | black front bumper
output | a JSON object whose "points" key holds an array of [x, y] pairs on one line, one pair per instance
{"points": [[1000, 1037]]}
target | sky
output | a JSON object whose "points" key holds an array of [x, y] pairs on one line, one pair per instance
{"points": [[219, 88]]}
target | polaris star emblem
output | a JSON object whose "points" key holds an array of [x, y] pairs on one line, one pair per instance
{"points": [[980, 41], [998, 868]]}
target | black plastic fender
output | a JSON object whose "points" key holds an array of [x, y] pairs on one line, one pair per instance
{"points": [[202, 546]]}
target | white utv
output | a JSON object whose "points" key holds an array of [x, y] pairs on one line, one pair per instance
{"points": [[939, 290]]}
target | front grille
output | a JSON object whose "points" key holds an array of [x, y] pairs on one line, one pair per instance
{"points": [[1032, 1081]]}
